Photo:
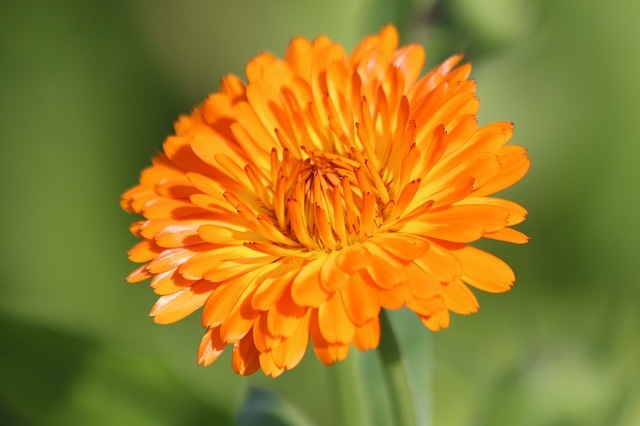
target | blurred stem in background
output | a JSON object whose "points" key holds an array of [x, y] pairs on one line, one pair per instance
{"points": [[347, 380], [399, 393]]}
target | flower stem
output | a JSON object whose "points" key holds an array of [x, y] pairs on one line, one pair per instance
{"points": [[349, 392], [400, 396]]}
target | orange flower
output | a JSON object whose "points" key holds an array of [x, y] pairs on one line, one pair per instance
{"points": [[296, 206]]}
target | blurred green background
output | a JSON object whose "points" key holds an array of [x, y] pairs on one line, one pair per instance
{"points": [[88, 92]]}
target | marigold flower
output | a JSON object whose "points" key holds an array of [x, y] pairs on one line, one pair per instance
{"points": [[298, 205]]}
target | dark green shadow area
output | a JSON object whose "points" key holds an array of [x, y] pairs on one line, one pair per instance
{"points": [[33, 389], [74, 380]]}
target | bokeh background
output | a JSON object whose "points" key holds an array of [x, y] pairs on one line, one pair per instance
{"points": [[88, 92]]}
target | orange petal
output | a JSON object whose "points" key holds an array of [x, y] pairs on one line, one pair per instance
{"points": [[437, 321], [175, 187], [285, 317], [385, 270], [483, 270], [440, 263], [410, 60], [273, 282], [174, 307], [233, 87], [166, 208], [245, 358], [436, 76], [426, 308], [396, 297], [373, 52], [256, 65], [421, 284], [459, 298], [223, 235], [333, 321], [449, 229], [514, 164], [181, 156], [265, 100], [516, 213], [299, 56], [224, 298], [367, 336], [331, 277], [268, 365], [353, 258], [179, 235], [241, 318], [150, 228], [306, 289], [263, 340], [326, 352], [170, 282], [360, 300], [291, 351], [491, 217], [216, 107], [451, 193], [487, 139], [508, 235], [211, 347], [256, 140], [218, 260], [401, 245], [144, 251], [139, 274], [171, 259]]}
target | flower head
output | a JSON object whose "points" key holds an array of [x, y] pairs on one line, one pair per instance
{"points": [[296, 206]]}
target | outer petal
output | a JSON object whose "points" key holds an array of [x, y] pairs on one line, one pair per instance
{"points": [[459, 298], [326, 352], [306, 289], [290, 352], [245, 359], [514, 164], [483, 270], [367, 336], [333, 321], [360, 300], [172, 308], [211, 347]]}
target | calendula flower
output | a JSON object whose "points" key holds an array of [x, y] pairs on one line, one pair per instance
{"points": [[296, 206]]}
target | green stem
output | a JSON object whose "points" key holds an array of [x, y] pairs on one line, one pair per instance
{"points": [[348, 386], [399, 391]]}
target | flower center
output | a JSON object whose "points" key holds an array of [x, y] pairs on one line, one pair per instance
{"points": [[325, 201]]}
